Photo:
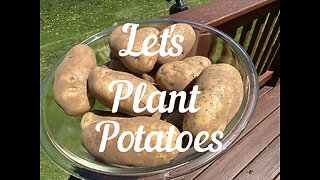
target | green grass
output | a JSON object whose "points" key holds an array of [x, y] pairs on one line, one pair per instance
{"points": [[48, 170], [66, 23]]}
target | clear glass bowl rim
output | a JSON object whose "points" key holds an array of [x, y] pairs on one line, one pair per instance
{"points": [[67, 161]]}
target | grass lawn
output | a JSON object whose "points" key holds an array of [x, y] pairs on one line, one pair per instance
{"points": [[66, 23]]}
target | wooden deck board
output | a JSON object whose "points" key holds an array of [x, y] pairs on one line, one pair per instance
{"points": [[268, 102], [246, 149], [265, 77], [264, 91], [266, 105], [265, 166]]}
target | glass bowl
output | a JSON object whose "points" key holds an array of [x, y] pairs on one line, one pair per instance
{"points": [[60, 134]]}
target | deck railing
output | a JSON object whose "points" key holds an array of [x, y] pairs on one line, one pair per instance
{"points": [[254, 24]]}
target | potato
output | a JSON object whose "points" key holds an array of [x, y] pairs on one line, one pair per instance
{"points": [[221, 95], [178, 75], [91, 140], [115, 38], [140, 64], [150, 76], [157, 115], [147, 77], [115, 35], [189, 39], [115, 64], [198, 61], [99, 80], [96, 115], [70, 83]]}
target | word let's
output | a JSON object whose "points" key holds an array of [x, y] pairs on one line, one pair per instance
{"points": [[151, 41]]}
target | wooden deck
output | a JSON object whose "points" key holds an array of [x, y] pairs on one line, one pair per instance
{"points": [[256, 154]]}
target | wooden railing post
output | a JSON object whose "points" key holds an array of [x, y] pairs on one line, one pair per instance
{"points": [[275, 67], [260, 23]]}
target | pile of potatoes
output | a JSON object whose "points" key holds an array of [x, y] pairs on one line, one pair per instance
{"points": [[79, 82]]}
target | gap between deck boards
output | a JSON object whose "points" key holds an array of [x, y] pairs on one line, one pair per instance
{"points": [[265, 107]]}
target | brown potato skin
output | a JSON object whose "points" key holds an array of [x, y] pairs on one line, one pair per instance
{"points": [[221, 95], [157, 115], [198, 61], [97, 115], [177, 75], [91, 141], [189, 39], [114, 38], [141, 64], [115, 35], [101, 77], [115, 64], [70, 83], [148, 77]]}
